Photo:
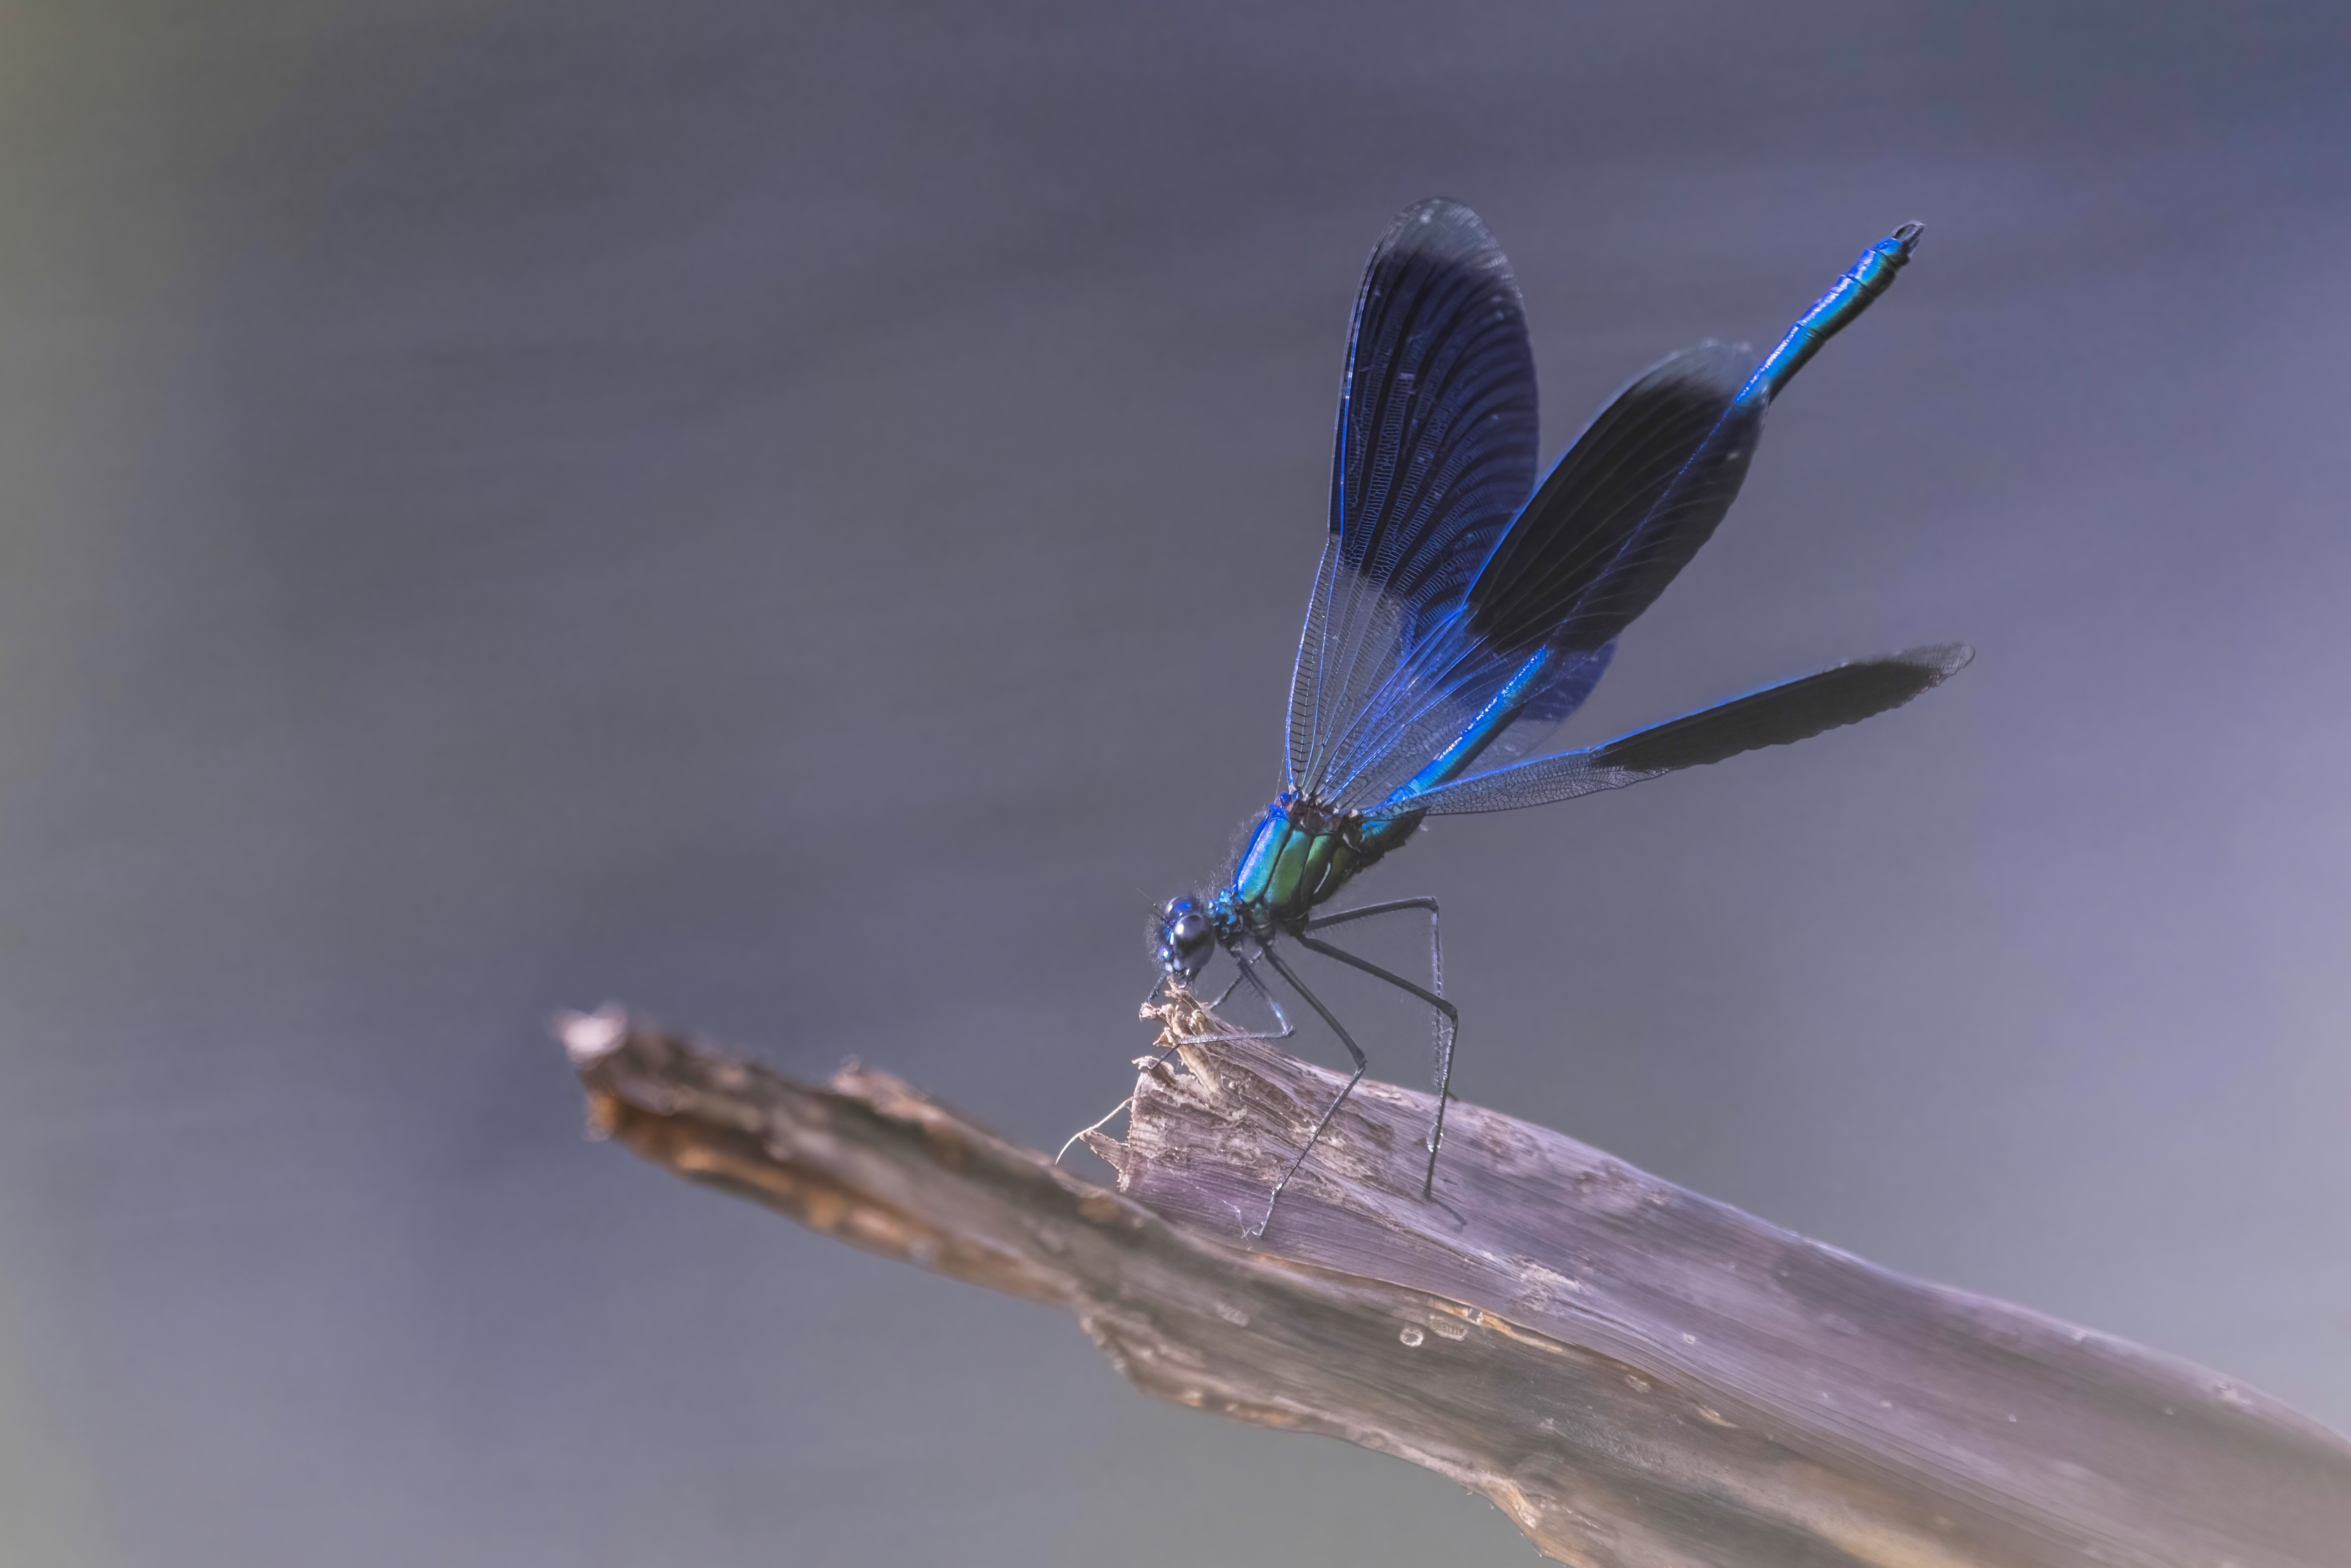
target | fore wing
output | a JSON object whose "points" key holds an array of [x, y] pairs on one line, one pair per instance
{"points": [[1434, 452]]}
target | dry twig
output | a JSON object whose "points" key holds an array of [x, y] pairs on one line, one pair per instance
{"points": [[1641, 1377]]}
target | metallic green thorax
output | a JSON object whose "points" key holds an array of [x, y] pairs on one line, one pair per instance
{"points": [[1301, 855]]}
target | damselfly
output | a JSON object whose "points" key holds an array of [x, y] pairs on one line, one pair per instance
{"points": [[1461, 611]]}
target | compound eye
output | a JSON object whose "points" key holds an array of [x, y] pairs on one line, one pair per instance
{"points": [[1187, 938]]}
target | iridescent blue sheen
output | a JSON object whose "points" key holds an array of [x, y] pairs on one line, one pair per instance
{"points": [[1832, 313], [1461, 610]]}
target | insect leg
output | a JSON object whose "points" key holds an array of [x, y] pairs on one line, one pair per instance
{"points": [[1262, 989], [1361, 1062], [1390, 908], [1255, 983], [1447, 1030], [1249, 976], [1448, 1025]]}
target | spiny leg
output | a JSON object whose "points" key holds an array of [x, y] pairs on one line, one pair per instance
{"points": [[1364, 912], [1259, 986], [1361, 1062], [1452, 1026], [1436, 951], [1449, 1023]]}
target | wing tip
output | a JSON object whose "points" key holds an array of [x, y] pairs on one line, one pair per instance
{"points": [[1435, 212], [1940, 661]]}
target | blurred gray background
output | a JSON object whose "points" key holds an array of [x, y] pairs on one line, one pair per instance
{"points": [[796, 517]]}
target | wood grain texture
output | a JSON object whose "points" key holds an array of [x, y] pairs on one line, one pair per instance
{"points": [[1640, 1376]]}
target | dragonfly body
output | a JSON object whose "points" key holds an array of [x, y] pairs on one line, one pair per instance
{"points": [[1461, 611]]}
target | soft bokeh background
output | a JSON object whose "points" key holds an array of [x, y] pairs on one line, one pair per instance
{"points": [[796, 517]]}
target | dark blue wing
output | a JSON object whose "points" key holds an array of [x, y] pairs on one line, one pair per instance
{"points": [[1435, 450], [1619, 514], [1615, 519], [1775, 716], [1626, 507]]}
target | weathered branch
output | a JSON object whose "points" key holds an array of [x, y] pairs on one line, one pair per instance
{"points": [[1640, 1376]]}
